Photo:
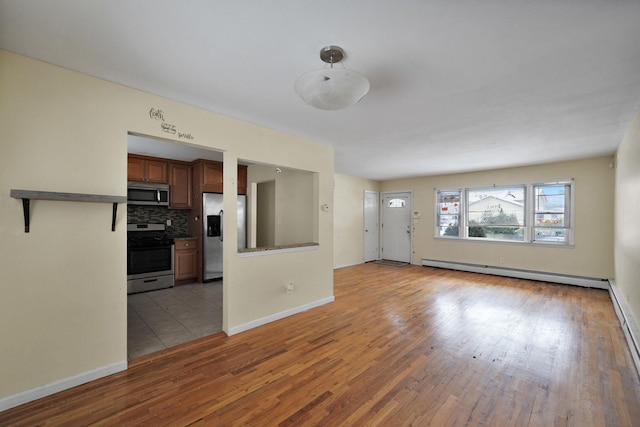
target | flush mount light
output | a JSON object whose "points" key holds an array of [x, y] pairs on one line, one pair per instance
{"points": [[331, 88]]}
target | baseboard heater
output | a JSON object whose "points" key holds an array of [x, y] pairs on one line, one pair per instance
{"points": [[589, 282], [628, 323]]}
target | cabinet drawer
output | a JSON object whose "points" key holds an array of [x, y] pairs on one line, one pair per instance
{"points": [[185, 244]]}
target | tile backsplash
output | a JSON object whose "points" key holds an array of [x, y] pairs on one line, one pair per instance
{"points": [[159, 215]]}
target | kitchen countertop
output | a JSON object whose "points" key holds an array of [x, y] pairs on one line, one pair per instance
{"points": [[185, 238], [270, 248]]}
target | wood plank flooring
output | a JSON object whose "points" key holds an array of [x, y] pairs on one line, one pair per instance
{"points": [[412, 346]]}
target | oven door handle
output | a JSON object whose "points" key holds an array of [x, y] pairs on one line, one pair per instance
{"points": [[221, 224]]}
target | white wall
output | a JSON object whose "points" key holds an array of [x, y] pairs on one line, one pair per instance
{"points": [[627, 217], [63, 285], [592, 255], [348, 214]]}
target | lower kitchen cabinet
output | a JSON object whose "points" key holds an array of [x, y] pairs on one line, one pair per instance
{"points": [[186, 262]]}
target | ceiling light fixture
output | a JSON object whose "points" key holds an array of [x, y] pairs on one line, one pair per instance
{"points": [[331, 88]]}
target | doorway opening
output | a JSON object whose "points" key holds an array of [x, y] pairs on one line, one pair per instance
{"points": [[163, 318]]}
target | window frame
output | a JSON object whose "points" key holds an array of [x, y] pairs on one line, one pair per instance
{"points": [[567, 213], [460, 213], [529, 225]]}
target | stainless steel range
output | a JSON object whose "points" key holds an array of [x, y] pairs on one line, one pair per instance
{"points": [[149, 258]]}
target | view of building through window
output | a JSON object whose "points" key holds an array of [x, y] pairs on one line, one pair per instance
{"points": [[496, 213], [519, 213]]}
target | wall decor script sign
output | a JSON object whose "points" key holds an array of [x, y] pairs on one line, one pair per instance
{"points": [[158, 115]]}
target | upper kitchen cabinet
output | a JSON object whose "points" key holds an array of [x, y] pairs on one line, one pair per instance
{"points": [[180, 184], [242, 179], [207, 176], [147, 169]]}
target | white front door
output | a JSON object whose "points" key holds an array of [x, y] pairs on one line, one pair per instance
{"points": [[371, 219], [396, 226]]}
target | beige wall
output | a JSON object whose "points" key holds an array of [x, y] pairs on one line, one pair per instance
{"points": [[592, 254], [627, 217], [348, 211], [291, 205], [295, 207], [63, 285]]}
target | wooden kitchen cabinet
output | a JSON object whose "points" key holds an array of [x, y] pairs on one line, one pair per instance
{"points": [[186, 260], [147, 169], [242, 179], [208, 177], [180, 185], [212, 178]]}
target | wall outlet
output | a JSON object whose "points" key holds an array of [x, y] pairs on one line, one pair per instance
{"points": [[289, 288], [168, 223], [501, 260]]}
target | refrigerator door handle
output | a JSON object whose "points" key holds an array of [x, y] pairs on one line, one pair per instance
{"points": [[221, 224]]}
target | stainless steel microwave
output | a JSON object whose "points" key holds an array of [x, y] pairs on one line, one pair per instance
{"points": [[139, 193]]}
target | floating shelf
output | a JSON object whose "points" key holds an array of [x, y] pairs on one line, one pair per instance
{"points": [[28, 195]]}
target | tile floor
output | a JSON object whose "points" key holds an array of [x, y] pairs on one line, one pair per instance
{"points": [[168, 317]]}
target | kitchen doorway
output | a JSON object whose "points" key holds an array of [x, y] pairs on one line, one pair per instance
{"points": [[163, 318]]}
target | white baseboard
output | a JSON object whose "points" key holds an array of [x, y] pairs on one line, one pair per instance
{"points": [[589, 282], [60, 385], [335, 267], [277, 316], [627, 321]]}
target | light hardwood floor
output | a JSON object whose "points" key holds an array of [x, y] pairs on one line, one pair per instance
{"points": [[399, 346]]}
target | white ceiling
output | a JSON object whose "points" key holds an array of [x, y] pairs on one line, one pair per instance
{"points": [[455, 85]]}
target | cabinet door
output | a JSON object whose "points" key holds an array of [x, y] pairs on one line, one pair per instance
{"points": [[180, 186], [186, 262], [212, 176], [157, 171], [242, 179], [146, 169], [212, 173], [135, 169]]}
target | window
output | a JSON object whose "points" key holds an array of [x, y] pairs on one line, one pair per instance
{"points": [[551, 209], [496, 213], [527, 213], [448, 213], [396, 203]]}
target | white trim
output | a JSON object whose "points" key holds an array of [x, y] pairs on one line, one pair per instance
{"points": [[627, 322], [262, 252], [364, 220], [277, 316], [589, 282], [60, 385], [351, 264]]}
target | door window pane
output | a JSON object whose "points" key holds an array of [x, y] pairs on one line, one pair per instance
{"points": [[397, 203]]}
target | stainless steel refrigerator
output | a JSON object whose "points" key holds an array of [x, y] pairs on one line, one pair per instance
{"points": [[213, 235]]}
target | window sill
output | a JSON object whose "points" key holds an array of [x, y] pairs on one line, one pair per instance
{"points": [[508, 242]]}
